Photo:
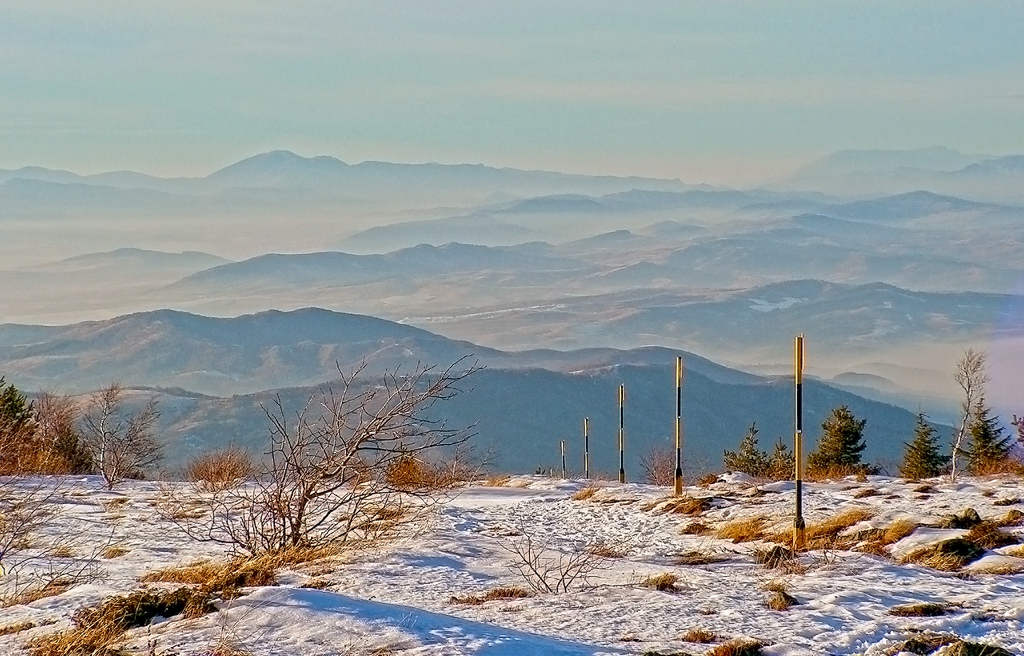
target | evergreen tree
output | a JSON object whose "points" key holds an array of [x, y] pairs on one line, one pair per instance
{"points": [[15, 409], [16, 429], [921, 458], [781, 464], [988, 448], [840, 444], [749, 459]]}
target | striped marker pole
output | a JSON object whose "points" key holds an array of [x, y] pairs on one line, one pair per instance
{"points": [[622, 433], [798, 444], [678, 483], [586, 447]]}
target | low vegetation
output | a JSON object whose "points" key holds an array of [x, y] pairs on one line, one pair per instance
{"points": [[925, 609], [99, 629], [494, 594], [665, 582], [746, 529]]}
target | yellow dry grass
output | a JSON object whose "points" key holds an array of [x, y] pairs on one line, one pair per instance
{"points": [[584, 494], [746, 529]]}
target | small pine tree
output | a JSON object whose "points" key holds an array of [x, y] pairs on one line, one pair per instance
{"points": [[921, 458], [749, 459], [781, 464], [840, 444], [988, 448]]}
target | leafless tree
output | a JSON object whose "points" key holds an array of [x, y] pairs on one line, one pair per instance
{"points": [[122, 442], [329, 474], [970, 376]]}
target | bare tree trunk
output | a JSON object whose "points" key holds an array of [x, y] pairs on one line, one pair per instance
{"points": [[970, 376]]}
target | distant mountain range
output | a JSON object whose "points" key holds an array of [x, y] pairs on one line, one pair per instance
{"points": [[521, 404], [940, 170]]}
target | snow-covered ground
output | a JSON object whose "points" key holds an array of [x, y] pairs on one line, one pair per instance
{"points": [[396, 597]]}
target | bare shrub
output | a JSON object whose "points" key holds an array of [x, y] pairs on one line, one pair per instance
{"points": [[545, 569], [329, 474], [121, 441], [659, 466], [215, 471]]}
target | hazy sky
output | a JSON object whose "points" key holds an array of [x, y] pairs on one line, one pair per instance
{"points": [[705, 91]]}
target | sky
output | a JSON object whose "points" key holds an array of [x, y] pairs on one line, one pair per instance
{"points": [[720, 91]]}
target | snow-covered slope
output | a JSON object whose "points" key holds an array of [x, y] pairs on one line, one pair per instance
{"points": [[397, 597]]}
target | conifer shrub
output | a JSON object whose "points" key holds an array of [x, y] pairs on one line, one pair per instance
{"points": [[921, 457], [840, 445], [748, 459], [989, 449]]}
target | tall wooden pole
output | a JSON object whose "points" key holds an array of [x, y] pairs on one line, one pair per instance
{"points": [[622, 434], [586, 447], [798, 443], [563, 459], [678, 487]]}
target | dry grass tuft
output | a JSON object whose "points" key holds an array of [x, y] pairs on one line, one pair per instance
{"points": [[1012, 518], [739, 647], [925, 489], [113, 552], [50, 588], [927, 609], [684, 506], [498, 481], [781, 600], [16, 628], [584, 494], [695, 528], [98, 629], [774, 557], [923, 643], [225, 579], [775, 585], [742, 530], [990, 536], [964, 648], [1011, 501], [825, 534], [494, 594], [63, 551], [865, 493], [604, 550], [947, 556], [222, 469], [692, 558], [699, 636], [898, 530], [665, 582]]}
